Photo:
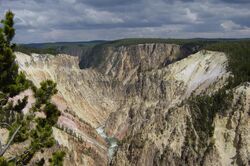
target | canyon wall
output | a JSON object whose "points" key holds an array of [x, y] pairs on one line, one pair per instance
{"points": [[141, 94]]}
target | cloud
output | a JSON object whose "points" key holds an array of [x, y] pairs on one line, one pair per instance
{"points": [[191, 16], [101, 17], [230, 25], [104, 3], [71, 20], [236, 1]]}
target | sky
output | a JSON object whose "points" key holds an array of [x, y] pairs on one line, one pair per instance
{"points": [[84, 20]]}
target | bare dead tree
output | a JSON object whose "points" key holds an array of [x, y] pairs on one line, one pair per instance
{"points": [[3, 148], [18, 159], [5, 124]]}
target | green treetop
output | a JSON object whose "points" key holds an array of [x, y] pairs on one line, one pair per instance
{"points": [[8, 67]]}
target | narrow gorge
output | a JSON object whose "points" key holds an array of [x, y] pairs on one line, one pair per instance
{"points": [[144, 97]]}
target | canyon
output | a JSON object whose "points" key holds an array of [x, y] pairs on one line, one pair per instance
{"points": [[140, 97]]}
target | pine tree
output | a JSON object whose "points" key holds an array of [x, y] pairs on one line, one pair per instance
{"points": [[8, 67]]}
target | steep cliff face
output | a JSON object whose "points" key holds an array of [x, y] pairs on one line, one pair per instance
{"points": [[142, 94], [85, 98], [87, 93], [167, 87], [158, 125], [123, 63], [231, 133]]}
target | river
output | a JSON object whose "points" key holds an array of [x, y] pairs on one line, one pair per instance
{"points": [[112, 142]]}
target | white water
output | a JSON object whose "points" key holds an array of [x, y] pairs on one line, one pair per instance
{"points": [[111, 141]]}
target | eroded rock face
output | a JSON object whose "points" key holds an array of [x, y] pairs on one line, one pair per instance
{"points": [[87, 93], [167, 87], [157, 126], [153, 125], [140, 94], [85, 98], [231, 134], [123, 63]]}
